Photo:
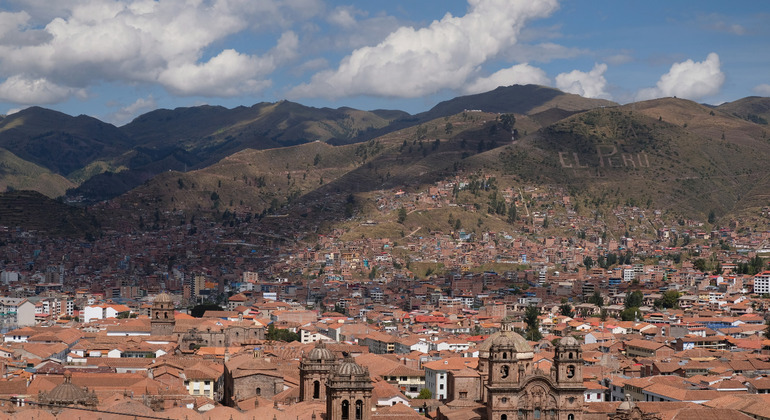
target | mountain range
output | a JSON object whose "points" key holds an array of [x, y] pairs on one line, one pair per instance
{"points": [[671, 152]]}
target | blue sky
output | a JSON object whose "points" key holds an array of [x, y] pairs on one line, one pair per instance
{"points": [[117, 59]]}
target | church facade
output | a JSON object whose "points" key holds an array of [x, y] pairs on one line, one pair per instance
{"points": [[512, 388]]}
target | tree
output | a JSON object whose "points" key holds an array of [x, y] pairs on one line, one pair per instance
{"points": [[603, 314], [448, 128], [712, 217], [401, 215], [566, 310], [634, 299], [596, 299], [317, 159], [425, 394], [533, 323], [670, 299], [508, 120], [631, 314], [512, 213], [588, 262], [280, 334], [198, 310]]}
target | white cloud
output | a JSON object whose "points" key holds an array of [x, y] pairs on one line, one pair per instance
{"points": [[763, 89], [344, 16], [228, 74], [126, 113], [688, 79], [143, 41], [26, 91], [590, 85], [521, 74], [414, 62]]}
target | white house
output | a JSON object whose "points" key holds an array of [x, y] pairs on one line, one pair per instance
{"points": [[91, 313]]}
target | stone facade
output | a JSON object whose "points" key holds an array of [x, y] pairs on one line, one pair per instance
{"points": [[314, 372], [349, 392], [516, 390], [247, 376], [162, 315]]}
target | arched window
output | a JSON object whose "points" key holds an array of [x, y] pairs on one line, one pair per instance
{"points": [[258, 391], [570, 355], [359, 410], [505, 355], [165, 315], [537, 414], [345, 410], [316, 390], [570, 417], [504, 417]]}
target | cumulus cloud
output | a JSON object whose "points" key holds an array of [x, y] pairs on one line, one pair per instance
{"points": [[688, 79], [126, 113], [27, 91], [763, 89], [414, 62], [590, 85], [173, 43], [521, 74]]}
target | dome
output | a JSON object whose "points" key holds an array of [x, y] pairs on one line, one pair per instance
{"points": [[569, 341], [321, 353], [349, 367], [506, 339], [163, 298], [67, 393]]}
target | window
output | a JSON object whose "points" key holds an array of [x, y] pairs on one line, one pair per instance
{"points": [[570, 417], [316, 390], [504, 417], [537, 413], [463, 395], [359, 410], [259, 391], [345, 410], [441, 386]]}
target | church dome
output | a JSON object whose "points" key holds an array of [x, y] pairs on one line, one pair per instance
{"points": [[320, 353], [569, 341], [512, 339], [67, 393], [349, 367]]}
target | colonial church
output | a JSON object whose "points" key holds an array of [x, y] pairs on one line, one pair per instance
{"points": [[511, 387]]}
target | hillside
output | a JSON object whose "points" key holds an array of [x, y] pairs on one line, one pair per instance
{"points": [[59, 142], [35, 212], [318, 177], [19, 174], [517, 99], [671, 153], [753, 108]]}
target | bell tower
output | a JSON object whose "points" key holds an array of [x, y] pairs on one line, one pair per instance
{"points": [[162, 320], [314, 372], [349, 392], [568, 362]]}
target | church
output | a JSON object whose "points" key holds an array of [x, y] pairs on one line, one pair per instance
{"points": [[510, 386]]}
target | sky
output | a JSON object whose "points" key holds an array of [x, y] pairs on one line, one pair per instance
{"points": [[117, 59]]}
